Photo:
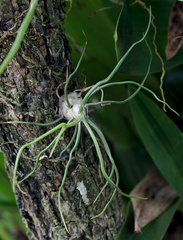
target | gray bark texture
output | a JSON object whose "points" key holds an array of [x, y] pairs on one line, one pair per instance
{"points": [[28, 93]]}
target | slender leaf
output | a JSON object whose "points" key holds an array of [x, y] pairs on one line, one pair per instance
{"points": [[162, 139]]}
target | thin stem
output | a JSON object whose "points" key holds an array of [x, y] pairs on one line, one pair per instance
{"points": [[71, 141], [65, 125], [57, 140], [124, 101], [107, 149], [65, 174], [20, 35], [71, 75], [105, 185], [90, 92], [106, 206], [33, 123], [37, 160], [134, 94], [102, 161]]}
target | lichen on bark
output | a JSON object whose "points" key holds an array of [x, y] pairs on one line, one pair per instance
{"points": [[28, 93]]}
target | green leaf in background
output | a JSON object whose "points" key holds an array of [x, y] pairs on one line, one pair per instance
{"points": [[162, 139], [131, 26], [97, 19], [10, 220], [155, 230], [6, 194], [4, 235]]}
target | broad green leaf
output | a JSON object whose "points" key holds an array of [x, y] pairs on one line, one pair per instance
{"points": [[132, 24], [162, 138], [155, 230]]}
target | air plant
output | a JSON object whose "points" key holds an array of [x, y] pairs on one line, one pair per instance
{"points": [[74, 109]]}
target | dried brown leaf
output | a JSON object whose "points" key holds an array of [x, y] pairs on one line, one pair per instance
{"points": [[175, 30], [160, 195]]}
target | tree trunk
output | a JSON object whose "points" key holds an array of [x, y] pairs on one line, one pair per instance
{"points": [[28, 93]]}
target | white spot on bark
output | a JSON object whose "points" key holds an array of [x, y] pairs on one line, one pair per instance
{"points": [[83, 191], [43, 157]]}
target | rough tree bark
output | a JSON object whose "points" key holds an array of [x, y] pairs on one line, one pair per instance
{"points": [[27, 93]]}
